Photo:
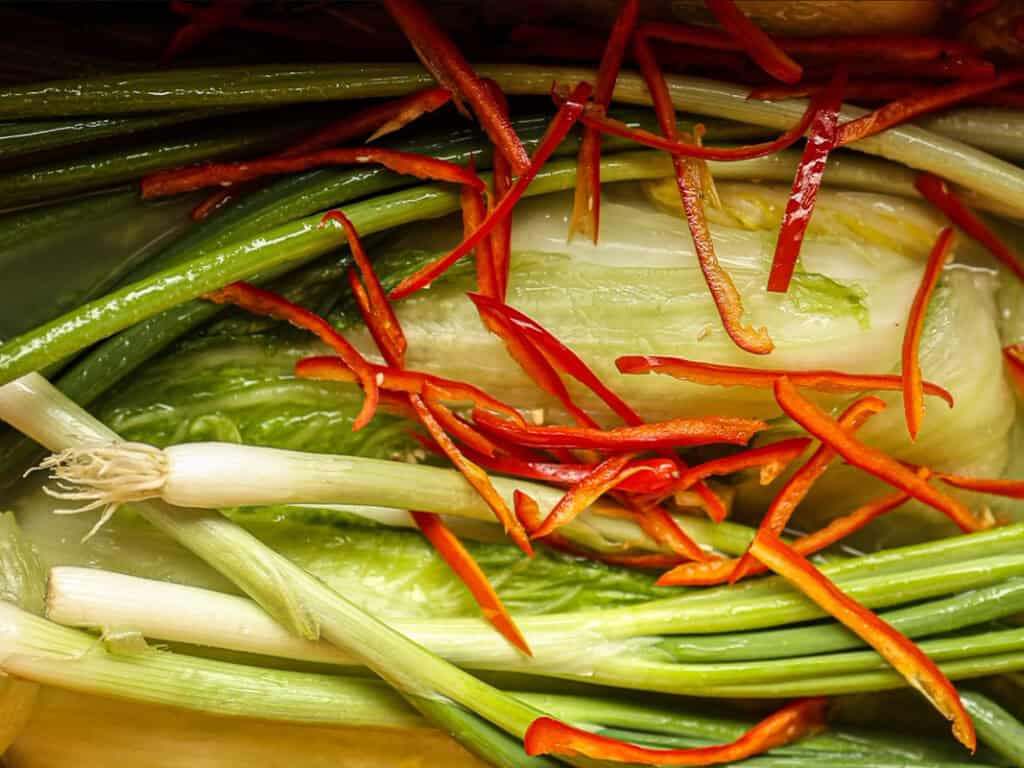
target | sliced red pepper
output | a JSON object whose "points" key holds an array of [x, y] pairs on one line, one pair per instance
{"points": [[382, 321], [905, 657], [426, 406], [764, 378], [449, 67], [1014, 355], [758, 45], [913, 388], [871, 460], [688, 179], [821, 139], [778, 455], [657, 523], [470, 573], [327, 368], [474, 445], [803, 717], [566, 118], [261, 302], [1013, 489], [599, 481], [501, 235], [586, 205], [909, 107], [179, 180], [203, 23], [474, 210], [975, 8], [937, 192], [657, 435]]}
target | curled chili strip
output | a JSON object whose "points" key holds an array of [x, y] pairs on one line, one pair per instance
{"points": [[913, 388], [776, 456], [1014, 489], [763, 378], [905, 657], [603, 478], [654, 436], [586, 205], [821, 139], [261, 302], [449, 67], [501, 235], [179, 180], [473, 212], [803, 717], [470, 573], [937, 192], [871, 460], [758, 45], [1014, 355], [203, 22], [566, 118]]}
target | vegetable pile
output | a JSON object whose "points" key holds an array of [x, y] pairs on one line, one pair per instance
{"points": [[370, 406]]}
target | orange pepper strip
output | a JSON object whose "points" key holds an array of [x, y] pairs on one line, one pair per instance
{"points": [[501, 235], [688, 179], [1014, 355], [758, 46], [568, 114], [803, 717], [586, 204], [937, 192], [426, 406], [913, 388], [473, 212], [909, 107], [467, 569], [261, 302], [411, 382], [764, 378], [381, 318], [449, 67], [179, 180], [656, 435], [871, 460], [796, 487], [1011, 488], [775, 455], [905, 657]]}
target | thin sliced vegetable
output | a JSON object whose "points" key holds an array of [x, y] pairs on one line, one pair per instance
{"points": [[474, 210], [871, 460], [937, 192], [203, 23], [451, 70], [261, 302], [771, 458], [501, 235], [1014, 355], [1014, 489], [920, 671], [821, 140], [460, 561], [599, 481], [802, 718], [913, 387], [758, 46], [477, 448], [764, 378]]}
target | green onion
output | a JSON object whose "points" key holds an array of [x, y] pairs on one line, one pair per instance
{"points": [[998, 729]]}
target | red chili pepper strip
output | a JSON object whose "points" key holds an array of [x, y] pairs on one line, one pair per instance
{"points": [[871, 460], [426, 406], [327, 368], [764, 378], [1014, 355], [937, 192], [586, 205], [975, 8], [758, 45], [803, 717], [821, 139], [1013, 489], [449, 67], [261, 302], [179, 180], [383, 322], [473, 212], [475, 446], [688, 179], [501, 235], [470, 573], [913, 389], [657, 435], [909, 107], [662, 527], [905, 657], [566, 118], [204, 23], [778, 454]]}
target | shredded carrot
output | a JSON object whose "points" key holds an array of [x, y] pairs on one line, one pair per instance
{"points": [[470, 573], [803, 717], [905, 657], [1014, 489], [586, 206], [449, 67], [261, 302], [179, 180], [1014, 355], [764, 378], [501, 235], [758, 45], [913, 388], [871, 460], [821, 139], [937, 192], [473, 212], [568, 114], [775, 455], [203, 23]]}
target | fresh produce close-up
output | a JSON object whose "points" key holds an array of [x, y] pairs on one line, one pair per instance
{"points": [[409, 384]]}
